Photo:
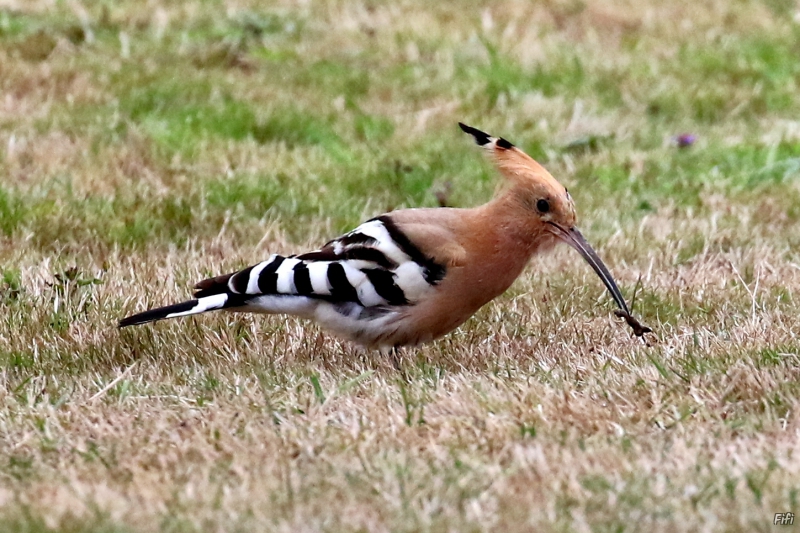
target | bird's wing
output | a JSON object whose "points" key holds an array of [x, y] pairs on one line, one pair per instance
{"points": [[389, 262], [377, 264]]}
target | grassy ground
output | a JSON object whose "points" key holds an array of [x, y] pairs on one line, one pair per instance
{"points": [[147, 144]]}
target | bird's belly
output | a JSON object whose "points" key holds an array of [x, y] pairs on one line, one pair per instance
{"points": [[368, 326]]}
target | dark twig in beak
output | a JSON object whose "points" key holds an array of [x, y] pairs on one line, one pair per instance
{"points": [[638, 328]]}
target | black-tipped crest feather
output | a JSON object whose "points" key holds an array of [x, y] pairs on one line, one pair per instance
{"points": [[481, 138]]}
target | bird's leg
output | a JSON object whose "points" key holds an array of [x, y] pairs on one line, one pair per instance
{"points": [[394, 355]]}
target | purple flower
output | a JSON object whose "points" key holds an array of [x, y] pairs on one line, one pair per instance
{"points": [[684, 140]]}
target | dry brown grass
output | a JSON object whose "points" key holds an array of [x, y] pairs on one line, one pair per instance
{"points": [[541, 413]]}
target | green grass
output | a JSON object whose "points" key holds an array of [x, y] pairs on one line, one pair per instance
{"points": [[146, 145]]}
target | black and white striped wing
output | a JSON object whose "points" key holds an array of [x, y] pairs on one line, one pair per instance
{"points": [[364, 274], [373, 265]]}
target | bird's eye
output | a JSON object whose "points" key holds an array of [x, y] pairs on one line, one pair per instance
{"points": [[543, 206]]}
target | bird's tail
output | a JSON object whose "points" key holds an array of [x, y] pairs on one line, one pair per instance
{"points": [[190, 307]]}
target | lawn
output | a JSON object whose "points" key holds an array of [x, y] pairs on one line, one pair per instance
{"points": [[145, 145]]}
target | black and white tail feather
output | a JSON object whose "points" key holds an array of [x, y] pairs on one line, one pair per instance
{"points": [[351, 285]]}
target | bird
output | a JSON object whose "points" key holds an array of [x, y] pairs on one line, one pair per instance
{"points": [[413, 275]]}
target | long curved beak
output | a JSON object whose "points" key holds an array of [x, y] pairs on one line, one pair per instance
{"points": [[574, 238]]}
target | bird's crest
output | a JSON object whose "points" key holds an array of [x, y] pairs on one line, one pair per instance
{"points": [[514, 164]]}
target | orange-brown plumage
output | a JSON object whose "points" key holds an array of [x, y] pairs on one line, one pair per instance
{"points": [[412, 275]]}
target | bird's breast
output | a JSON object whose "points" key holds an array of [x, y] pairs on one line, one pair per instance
{"points": [[463, 291]]}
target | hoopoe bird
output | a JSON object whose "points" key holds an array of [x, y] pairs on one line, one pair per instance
{"points": [[412, 275]]}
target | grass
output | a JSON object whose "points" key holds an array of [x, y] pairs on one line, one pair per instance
{"points": [[146, 145]]}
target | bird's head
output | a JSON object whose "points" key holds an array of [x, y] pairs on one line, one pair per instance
{"points": [[545, 202]]}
